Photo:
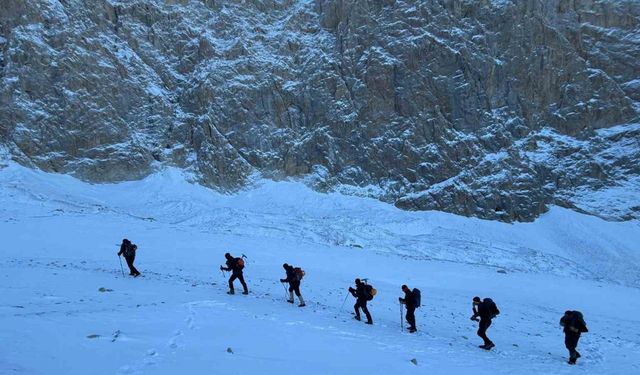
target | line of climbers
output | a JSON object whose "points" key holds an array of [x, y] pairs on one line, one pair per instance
{"points": [[484, 310]]}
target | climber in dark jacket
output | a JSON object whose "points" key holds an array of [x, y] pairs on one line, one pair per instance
{"points": [[409, 302], [294, 284], [485, 311], [235, 265], [129, 251], [360, 294], [574, 325]]}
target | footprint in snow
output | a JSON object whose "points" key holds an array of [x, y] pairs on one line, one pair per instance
{"points": [[173, 342]]}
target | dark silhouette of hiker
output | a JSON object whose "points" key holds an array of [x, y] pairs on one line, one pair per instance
{"points": [[486, 310], [235, 265], [361, 295], [574, 326], [409, 302], [294, 277], [129, 251]]}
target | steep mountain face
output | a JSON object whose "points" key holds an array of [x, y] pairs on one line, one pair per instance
{"points": [[485, 108]]}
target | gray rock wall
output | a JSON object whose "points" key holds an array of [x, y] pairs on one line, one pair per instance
{"points": [[481, 108]]}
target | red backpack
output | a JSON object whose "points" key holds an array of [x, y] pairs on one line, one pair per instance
{"points": [[299, 272], [240, 263]]}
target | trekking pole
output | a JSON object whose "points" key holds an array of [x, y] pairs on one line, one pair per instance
{"points": [[285, 292], [121, 269], [345, 301], [401, 320]]}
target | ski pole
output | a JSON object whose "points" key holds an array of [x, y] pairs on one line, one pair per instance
{"points": [[121, 269]]}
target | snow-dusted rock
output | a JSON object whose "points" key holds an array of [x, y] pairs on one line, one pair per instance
{"points": [[483, 108]]}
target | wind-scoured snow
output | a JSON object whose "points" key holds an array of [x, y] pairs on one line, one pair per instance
{"points": [[65, 308]]}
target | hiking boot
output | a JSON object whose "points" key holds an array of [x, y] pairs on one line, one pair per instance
{"points": [[369, 322], [572, 361], [245, 292], [578, 355], [137, 274], [302, 305], [488, 346], [412, 330], [356, 318], [231, 292], [290, 301]]}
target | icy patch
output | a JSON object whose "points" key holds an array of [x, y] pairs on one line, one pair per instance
{"points": [[155, 90], [501, 3], [615, 130]]}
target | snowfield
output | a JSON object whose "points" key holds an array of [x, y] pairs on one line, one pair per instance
{"points": [[65, 307]]}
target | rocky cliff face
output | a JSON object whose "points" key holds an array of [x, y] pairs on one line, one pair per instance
{"points": [[490, 108]]}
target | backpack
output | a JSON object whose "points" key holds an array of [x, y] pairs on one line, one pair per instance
{"points": [[240, 263], [417, 298], [577, 320], [369, 292], [299, 272], [130, 250], [493, 308]]}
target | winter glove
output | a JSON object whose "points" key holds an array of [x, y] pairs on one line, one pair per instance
{"points": [[351, 289], [221, 268], [283, 280]]}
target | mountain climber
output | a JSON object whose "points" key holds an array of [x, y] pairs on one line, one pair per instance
{"points": [[409, 302], [362, 295], [235, 265], [486, 310], [574, 325], [129, 251], [294, 277]]}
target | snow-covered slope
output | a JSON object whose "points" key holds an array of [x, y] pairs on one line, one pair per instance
{"points": [[59, 249]]}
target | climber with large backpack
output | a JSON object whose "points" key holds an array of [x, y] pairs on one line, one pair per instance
{"points": [[235, 265], [574, 325], [363, 293], [294, 277], [486, 310], [411, 301]]}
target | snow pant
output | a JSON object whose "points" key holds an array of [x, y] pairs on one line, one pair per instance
{"points": [[482, 330], [132, 270], [239, 276], [571, 342], [411, 317], [362, 304], [294, 287]]}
